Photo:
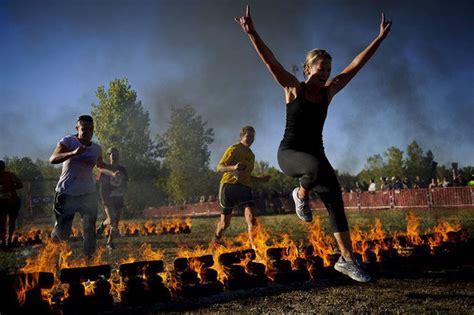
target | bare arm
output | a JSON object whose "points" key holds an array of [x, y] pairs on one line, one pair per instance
{"points": [[283, 77], [341, 80], [230, 168], [61, 153], [105, 168]]}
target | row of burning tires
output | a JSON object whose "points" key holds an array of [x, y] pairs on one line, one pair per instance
{"points": [[142, 283], [20, 241]]}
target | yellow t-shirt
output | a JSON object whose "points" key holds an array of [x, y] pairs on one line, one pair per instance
{"points": [[234, 154]]}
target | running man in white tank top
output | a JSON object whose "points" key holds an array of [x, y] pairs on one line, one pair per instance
{"points": [[76, 190]]}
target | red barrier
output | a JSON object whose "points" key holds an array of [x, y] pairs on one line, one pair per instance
{"points": [[351, 199], [452, 196], [314, 204], [411, 198], [437, 197], [379, 199], [205, 208]]}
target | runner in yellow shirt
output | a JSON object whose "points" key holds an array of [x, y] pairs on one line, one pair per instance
{"points": [[237, 164]]}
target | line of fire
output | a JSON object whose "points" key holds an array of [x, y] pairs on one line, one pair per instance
{"points": [[54, 282], [126, 229]]}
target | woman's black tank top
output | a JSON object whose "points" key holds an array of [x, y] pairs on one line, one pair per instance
{"points": [[304, 124]]}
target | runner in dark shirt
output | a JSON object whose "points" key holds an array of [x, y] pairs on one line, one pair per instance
{"points": [[112, 190], [9, 204]]}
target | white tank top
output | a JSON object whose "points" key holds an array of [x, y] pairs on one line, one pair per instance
{"points": [[76, 175]]}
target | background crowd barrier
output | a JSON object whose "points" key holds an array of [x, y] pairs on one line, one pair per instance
{"points": [[395, 199], [37, 199]]}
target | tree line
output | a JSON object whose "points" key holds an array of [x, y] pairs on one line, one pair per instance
{"points": [[174, 167]]}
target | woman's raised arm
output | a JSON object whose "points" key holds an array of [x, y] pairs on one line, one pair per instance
{"points": [[341, 80], [283, 77]]}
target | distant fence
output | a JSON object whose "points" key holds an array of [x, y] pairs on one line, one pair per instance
{"points": [[395, 199], [38, 197]]}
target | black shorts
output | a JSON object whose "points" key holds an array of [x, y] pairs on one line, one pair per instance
{"points": [[115, 203], [10, 207], [234, 195]]}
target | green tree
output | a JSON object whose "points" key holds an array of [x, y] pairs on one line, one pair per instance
{"points": [[24, 168], [348, 181], [187, 155], [33, 181], [394, 162], [415, 161], [278, 182], [426, 170], [261, 168], [466, 172], [121, 121], [443, 171], [373, 169], [50, 174], [49, 171]]}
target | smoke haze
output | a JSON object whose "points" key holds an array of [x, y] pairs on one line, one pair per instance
{"points": [[418, 85]]}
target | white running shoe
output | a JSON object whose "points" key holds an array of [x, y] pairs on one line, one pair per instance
{"points": [[352, 269], [303, 211]]}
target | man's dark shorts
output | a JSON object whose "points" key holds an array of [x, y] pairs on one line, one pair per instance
{"points": [[114, 203], [235, 195], [67, 205]]}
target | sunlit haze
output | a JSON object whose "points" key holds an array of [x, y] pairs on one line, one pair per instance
{"points": [[418, 85]]}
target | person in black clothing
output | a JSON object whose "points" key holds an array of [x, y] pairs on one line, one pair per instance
{"points": [[301, 153], [112, 190], [397, 183], [10, 204]]}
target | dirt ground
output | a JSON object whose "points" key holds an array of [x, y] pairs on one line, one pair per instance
{"points": [[431, 296], [435, 291]]}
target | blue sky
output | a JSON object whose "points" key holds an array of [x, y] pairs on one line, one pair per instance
{"points": [[418, 86]]}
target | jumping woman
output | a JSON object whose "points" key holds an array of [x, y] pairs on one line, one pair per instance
{"points": [[301, 152]]}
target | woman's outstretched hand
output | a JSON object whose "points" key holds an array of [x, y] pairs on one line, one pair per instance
{"points": [[384, 27], [246, 22]]}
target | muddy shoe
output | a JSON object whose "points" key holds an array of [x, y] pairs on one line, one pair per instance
{"points": [[351, 269], [303, 211]]}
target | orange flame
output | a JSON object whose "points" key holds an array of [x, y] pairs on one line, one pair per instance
{"points": [[413, 229], [321, 242]]}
